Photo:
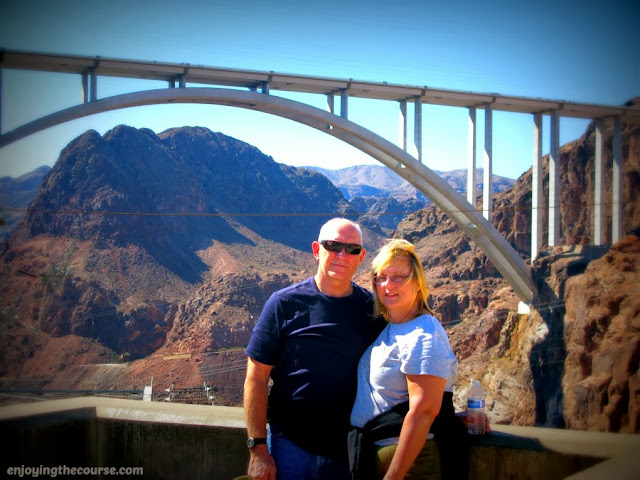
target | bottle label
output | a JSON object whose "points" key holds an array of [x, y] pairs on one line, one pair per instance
{"points": [[475, 403]]}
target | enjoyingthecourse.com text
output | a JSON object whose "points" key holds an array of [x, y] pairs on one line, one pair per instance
{"points": [[63, 470]]}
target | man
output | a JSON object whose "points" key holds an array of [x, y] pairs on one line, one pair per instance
{"points": [[308, 340]]}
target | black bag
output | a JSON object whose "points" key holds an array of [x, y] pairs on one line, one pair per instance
{"points": [[449, 432]]}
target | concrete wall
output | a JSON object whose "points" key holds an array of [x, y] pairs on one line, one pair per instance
{"points": [[170, 441], [174, 441], [163, 450]]}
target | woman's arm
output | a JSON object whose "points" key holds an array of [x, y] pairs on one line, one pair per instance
{"points": [[425, 399]]}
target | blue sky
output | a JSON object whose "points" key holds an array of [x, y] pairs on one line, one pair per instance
{"points": [[583, 51]]}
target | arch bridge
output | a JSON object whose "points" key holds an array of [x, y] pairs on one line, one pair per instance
{"points": [[251, 90]]}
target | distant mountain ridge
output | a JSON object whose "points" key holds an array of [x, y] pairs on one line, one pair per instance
{"points": [[384, 198], [24, 183], [17, 193], [378, 180]]}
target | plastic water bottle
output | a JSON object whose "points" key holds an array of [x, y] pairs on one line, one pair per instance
{"points": [[475, 409]]}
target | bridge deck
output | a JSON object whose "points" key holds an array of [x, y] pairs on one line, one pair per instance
{"points": [[253, 79]]}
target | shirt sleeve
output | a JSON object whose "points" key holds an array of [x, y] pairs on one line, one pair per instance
{"points": [[428, 352], [264, 343]]}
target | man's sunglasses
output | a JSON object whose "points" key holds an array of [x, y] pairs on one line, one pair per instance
{"points": [[333, 246]]}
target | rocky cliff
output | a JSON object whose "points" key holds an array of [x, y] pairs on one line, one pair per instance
{"points": [[151, 255], [601, 382]]}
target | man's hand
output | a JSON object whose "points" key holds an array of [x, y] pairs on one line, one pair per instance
{"points": [[261, 464]]}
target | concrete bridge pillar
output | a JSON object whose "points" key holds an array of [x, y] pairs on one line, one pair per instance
{"points": [[85, 87], [417, 127], [89, 85], [181, 82], [537, 229], [93, 77], [598, 208], [0, 98], [402, 125], [487, 184], [344, 104], [331, 103], [471, 157], [616, 201], [554, 181]]}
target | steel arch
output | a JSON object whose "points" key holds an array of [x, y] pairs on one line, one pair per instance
{"points": [[470, 220]]}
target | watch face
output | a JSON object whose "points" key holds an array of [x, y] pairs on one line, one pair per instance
{"points": [[252, 442]]}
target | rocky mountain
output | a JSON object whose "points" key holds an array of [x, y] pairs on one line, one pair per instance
{"points": [[189, 182], [130, 229], [386, 197], [100, 291], [16, 194]]}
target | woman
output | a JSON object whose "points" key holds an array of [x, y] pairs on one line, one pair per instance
{"points": [[403, 379]]}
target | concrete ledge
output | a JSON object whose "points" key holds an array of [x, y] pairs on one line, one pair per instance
{"points": [[130, 410], [536, 452], [568, 442], [172, 440], [620, 467]]}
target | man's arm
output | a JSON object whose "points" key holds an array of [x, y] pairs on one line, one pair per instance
{"points": [[261, 464]]}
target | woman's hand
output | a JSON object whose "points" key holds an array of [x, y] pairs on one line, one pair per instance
{"points": [[464, 416]]}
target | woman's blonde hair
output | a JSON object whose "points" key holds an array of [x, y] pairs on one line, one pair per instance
{"points": [[400, 248]]}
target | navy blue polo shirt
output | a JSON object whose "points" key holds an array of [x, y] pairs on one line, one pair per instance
{"points": [[314, 343]]}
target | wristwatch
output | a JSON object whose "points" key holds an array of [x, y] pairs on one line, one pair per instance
{"points": [[252, 442]]}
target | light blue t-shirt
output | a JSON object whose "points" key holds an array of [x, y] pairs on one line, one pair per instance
{"points": [[417, 347]]}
